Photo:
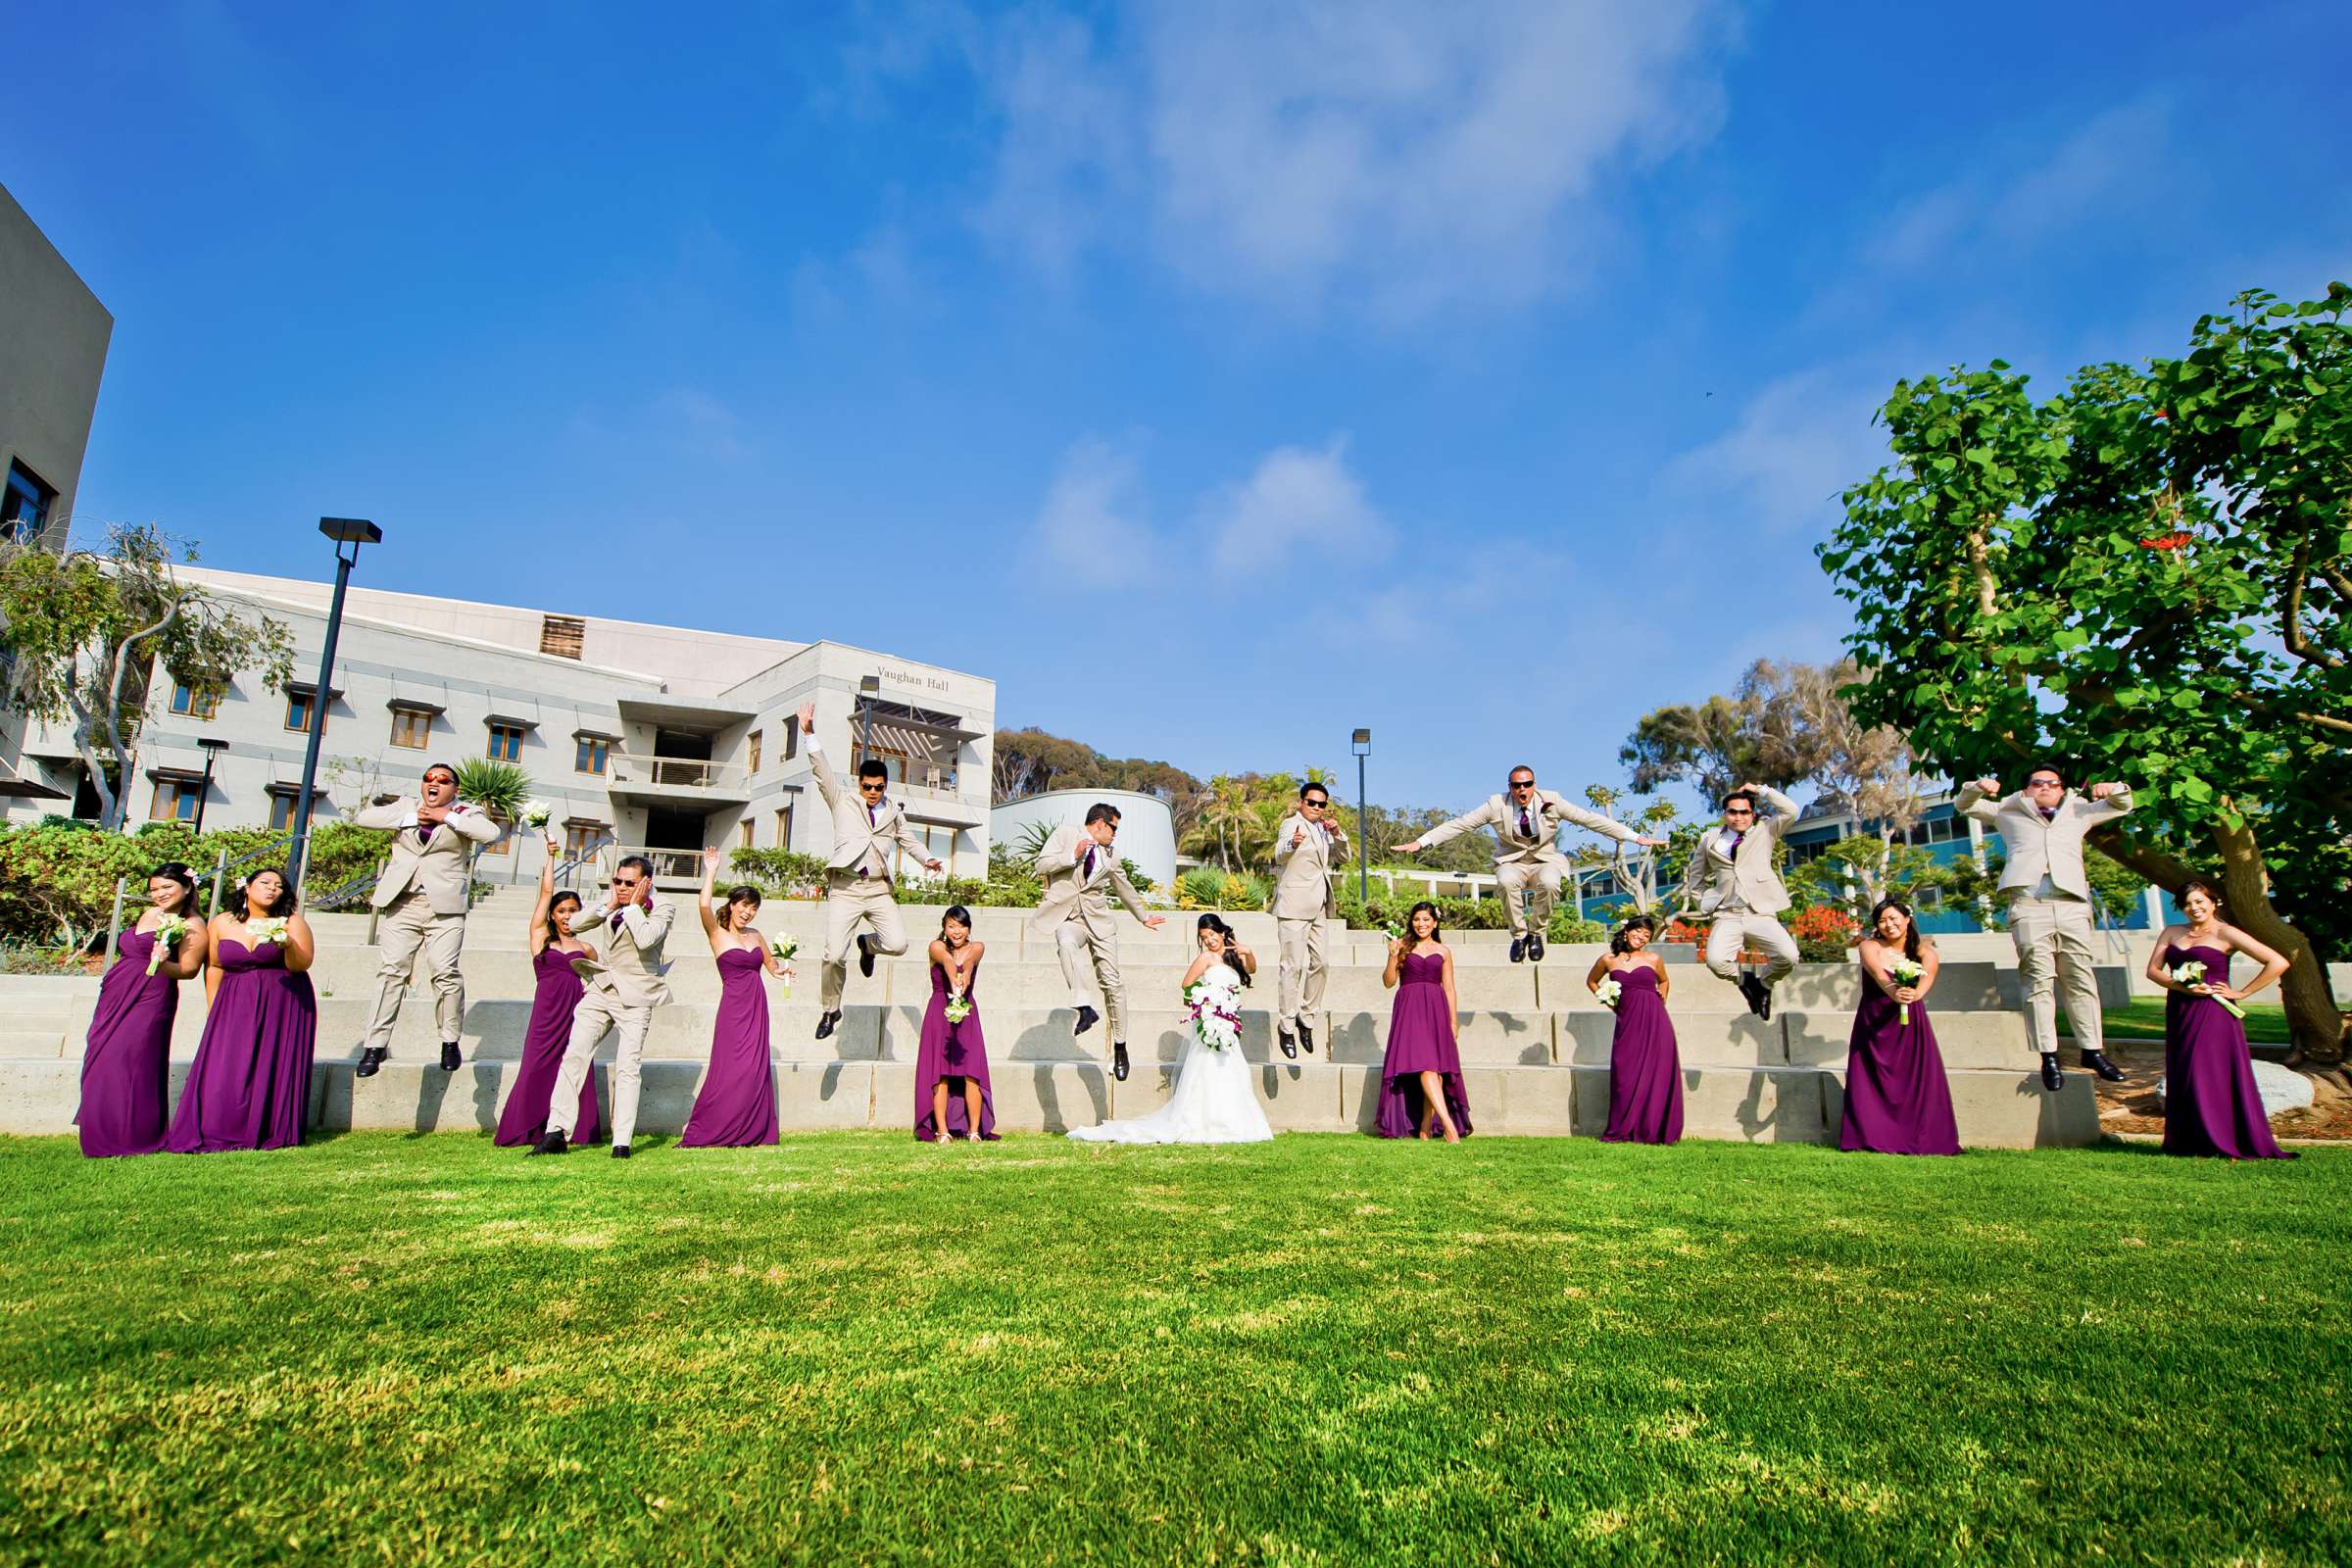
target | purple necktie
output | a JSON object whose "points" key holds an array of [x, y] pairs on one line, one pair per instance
{"points": [[870, 819], [1090, 864], [2049, 814], [1733, 845], [424, 833], [1527, 829], [616, 914]]}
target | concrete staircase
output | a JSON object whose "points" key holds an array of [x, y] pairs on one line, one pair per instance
{"points": [[1534, 1045]]}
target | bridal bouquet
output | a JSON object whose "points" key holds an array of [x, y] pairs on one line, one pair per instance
{"points": [[1906, 972], [536, 813], [1608, 990], [960, 1007], [784, 947], [2192, 973], [167, 932], [1215, 1012], [274, 929]]}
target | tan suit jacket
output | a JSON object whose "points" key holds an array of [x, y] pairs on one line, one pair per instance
{"points": [[1072, 893], [1303, 872], [858, 840], [1749, 873], [2035, 848], [633, 968], [1546, 816], [439, 866]]}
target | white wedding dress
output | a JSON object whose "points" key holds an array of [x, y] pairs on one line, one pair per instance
{"points": [[1213, 1101]]}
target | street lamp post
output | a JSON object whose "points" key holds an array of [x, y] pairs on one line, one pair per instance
{"points": [[355, 532], [1361, 744], [204, 791], [869, 689]]}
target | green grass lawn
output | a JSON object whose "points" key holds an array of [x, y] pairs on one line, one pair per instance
{"points": [[1327, 1349], [2143, 1019]]}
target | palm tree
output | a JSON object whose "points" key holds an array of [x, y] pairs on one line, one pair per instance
{"points": [[498, 787]]}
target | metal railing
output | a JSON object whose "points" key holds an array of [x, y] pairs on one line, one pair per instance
{"points": [[679, 773], [670, 866]]}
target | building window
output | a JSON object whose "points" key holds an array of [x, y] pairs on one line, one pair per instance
{"points": [[754, 769], [506, 742], [298, 709], [281, 810], [562, 635], [791, 741], [593, 753], [581, 839], [504, 844], [25, 505], [784, 828], [411, 727], [746, 833], [175, 800], [200, 702]]}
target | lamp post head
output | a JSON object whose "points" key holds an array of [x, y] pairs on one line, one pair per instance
{"points": [[1361, 742], [212, 745], [869, 685], [351, 530]]}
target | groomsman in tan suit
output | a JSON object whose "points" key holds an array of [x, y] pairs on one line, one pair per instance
{"points": [[621, 994], [1528, 862], [1307, 845], [1076, 865], [1732, 877], [2048, 892], [866, 827], [422, 897]]}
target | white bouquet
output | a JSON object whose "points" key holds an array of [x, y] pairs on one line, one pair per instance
{"points": [[2192, 973], [167, 932], [272, 929], [1904, 973], [1215, 1013], [536, 813], [960, 1007], [1608, 990]]}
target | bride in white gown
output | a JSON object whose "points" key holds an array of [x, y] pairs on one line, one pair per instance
{"points": [[1213, 1101]]}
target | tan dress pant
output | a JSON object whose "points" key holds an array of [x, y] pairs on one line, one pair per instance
{"points": [[1302, 970], [409, 925], [1082, 951], [1540, 881], [851, 899], [2054, 956], [1735, 929], [600, 1010]]}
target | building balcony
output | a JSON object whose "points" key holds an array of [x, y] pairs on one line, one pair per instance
{"points": [[658, 780], [673, 869]]}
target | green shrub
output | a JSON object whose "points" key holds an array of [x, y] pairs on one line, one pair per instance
{"points": [[57, 882]]}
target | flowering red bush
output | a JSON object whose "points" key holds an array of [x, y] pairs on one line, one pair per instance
{"points": [[2170, 541], [1678, 930], [1818, 923]]}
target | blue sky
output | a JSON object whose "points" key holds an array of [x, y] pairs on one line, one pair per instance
{"points": [[1480, 373]]}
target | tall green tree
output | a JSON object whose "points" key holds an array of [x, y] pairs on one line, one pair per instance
{"points": [[2147, 577], [83, 631]]}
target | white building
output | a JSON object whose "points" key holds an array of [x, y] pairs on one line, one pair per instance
{"points": [[659, 739], [1146, 827]]}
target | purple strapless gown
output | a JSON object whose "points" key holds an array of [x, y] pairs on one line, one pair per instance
{"points": [[1420, 1040], [737, 1106], [952, 1050], [524, 1118], [1645, 1071], [1897, 1101], [126, 1068], [250, 1086], [2211, 1106]]}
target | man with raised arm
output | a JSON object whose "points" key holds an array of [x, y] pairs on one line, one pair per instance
{"points": [[1732, 878], [1528, 862], [1309, 841], [624, 985], [2048, 894], [866, 826], [1077, 866], [422, 899]]}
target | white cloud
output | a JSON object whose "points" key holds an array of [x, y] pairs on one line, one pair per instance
{"points": [[1297, 499], [1792, 448], [1091, 531], [1406, 155]]}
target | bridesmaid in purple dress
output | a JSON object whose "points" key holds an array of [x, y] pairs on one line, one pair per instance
{"points": [[737, 1106], [1645, 1071], [126, 1068], [1421, 1088], [2210, 1104], [1897, 1101], [954, 1055], [250, 1086], [553, 947]]}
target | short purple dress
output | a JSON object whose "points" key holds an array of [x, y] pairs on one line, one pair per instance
{"points": [[1420, 1040], [250, 1086], [952, 1050], [127, 1066]]}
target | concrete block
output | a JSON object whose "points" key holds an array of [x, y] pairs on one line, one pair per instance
{"points": [[1052, 1096], [1703, 1038], [1483, 1039], [2000, 1109], [1757, 1105]]}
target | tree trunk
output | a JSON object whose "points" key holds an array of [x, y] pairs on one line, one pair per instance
{"points": [[2313, 1020]]}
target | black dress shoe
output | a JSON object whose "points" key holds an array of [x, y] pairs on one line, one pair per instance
{"points": [[1754, 989], [1087, 1017], [1764, 1008], [824, 1024], [2052, 1078], [451, 1058], [1306, 1039], [1118, 1062], [1289, 1044], [865, 955], [1518, 950], [620, 1150], [1534, 947], [2096, 1061], [552, 1143], [371, 1060]]}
